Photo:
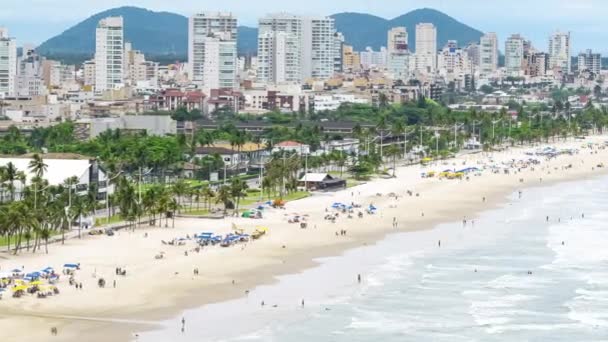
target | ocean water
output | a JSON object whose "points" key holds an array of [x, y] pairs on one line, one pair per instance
{"points": [[508, 276]]}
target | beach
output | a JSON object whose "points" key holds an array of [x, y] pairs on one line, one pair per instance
{"points": [[154, 290]]}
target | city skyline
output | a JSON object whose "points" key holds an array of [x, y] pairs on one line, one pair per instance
{"points": [[53, 18]]}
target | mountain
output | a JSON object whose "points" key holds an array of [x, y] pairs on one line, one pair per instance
{"points": [[158, 33], [363, 30], [164, 35]]}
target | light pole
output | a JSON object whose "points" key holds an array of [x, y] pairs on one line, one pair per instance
{"points": [[108, 195], [456, 128], [405, 133], [493, 128]]}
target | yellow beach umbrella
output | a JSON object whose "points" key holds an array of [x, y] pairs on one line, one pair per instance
{"points": [[19, 288], [36, 283]]}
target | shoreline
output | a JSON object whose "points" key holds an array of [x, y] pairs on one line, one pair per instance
{"points": [[464, 197]]}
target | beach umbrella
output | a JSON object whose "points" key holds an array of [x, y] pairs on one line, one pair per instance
{"points": [[19, 288], [17, 270], [35, 283]]}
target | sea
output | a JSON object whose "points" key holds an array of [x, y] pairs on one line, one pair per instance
{"points": [[535, 269]]}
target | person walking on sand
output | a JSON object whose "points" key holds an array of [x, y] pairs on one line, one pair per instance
{"points": [[302, 302], [359, 278], [439, 243]]}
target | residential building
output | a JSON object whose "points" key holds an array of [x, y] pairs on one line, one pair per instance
{"points": [[536, 64], [334, 101], [291, 147], [473, 53], [338, 52], [109, 54], [158, 125], [138, 69], [373, 59], [61, 166], [488, 54], [56, 74], [426, 48], [30, 81], [350, 58], [304, 47], [589, 61], [398, 53], [559, 52], [173, 99], [514, 55], [88, 77], [453, 64], [230, 99], [8, 63], [278, 58], [212, 53]]}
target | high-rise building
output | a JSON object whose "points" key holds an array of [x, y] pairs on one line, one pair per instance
{"points": [[350, 58], [318, 47], [514, 55], [373, 59], [109, 54], [535, 63], [137, 69], [488, 54], [88, 70], [559, 52], [398, 59], [589, 61], [30, 78], [472, 51], [306, 46], [8, 63], [56, 74], [426, 47], [212, 53], [338, 51], [453, 62]]}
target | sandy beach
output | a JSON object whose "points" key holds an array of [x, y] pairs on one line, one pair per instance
{"points": [[155, 289]]}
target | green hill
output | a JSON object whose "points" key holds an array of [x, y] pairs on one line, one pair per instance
{"points": [[164, 36]]}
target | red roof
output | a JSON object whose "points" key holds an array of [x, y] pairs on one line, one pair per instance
{"points": [[288, 143]]}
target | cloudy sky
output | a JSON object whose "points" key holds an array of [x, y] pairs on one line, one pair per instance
{"points": [[33, 21]]}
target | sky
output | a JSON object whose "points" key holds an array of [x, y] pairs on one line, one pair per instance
{"points": [[34, 21]]}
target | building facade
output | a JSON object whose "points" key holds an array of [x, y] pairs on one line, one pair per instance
{"points": [[398, 60], [488, 54], [8, 63], [212, 53], [514, 55], [109, 54], [426, 48], [589, 61], [559, 52], [295, 48]]}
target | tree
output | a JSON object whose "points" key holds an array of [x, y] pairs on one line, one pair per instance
{"points": [[224, 195], [237, 191]]}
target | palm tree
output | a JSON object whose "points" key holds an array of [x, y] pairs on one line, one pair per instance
{"points": [[173, 207], [37, 165], [223, 196], [237, 191]]}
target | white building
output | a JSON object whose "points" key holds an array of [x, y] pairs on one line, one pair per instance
{"points": [[398, 61], [590, 61], [109, 54], [426, 48], [514, 55], [292, 48], [559, 52], [88, 76], [279, 58], [338, 52], [139, 70], [373, 59], [453, 62], [30, 80], [212, 53], [8, 63], [488, 54], [333, 102]]}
